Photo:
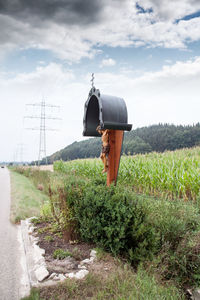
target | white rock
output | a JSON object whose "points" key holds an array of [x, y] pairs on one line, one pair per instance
{"points": [[70, 275], [38, 251], [92, 259], [56, 278], [31, 229], [81, 274], [34, 239], [85, 261], [93, 253], [61, 277], [196, 294], [39, 263], [52, 275], [41, 273], [81, 267]]}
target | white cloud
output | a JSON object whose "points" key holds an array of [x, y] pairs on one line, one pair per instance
{"points": [[108, 62], [171, 10], [167, 96]]}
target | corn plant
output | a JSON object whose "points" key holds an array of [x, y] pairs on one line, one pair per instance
{"points": [[170, 174]]}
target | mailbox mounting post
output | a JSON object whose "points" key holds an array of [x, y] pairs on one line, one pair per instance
{"points": [[110, 113]]}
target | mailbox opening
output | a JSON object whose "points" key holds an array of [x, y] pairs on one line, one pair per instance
{"points": [[92, 116]]}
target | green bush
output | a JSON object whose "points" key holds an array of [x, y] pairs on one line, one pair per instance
{"points": [[114, 220]]}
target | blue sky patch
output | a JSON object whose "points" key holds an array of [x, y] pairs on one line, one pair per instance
{"points": [[141, 10], [189, 17]]}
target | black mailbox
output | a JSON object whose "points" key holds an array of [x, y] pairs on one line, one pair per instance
{"points": [[107, 111]]}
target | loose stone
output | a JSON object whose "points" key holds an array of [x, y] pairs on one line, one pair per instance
{"points": [[41, 273]]}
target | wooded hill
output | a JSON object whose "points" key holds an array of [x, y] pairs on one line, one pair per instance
{"points": [[157, 138]]}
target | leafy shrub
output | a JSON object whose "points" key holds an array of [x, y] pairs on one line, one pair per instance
{"points": [[113, 220]]}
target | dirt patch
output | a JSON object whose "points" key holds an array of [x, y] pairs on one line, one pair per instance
{"points": [[51, 242]]}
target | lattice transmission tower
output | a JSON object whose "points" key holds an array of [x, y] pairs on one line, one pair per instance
{"points": [[42, 128]]}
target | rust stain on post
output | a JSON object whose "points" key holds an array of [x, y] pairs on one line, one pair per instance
{"points": [[115, 141]]}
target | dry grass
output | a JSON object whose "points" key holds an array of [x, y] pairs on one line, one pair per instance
{"points": [[41, 168]]}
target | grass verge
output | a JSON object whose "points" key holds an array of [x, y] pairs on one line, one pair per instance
{"points": [[122, 284], [26, 200]]}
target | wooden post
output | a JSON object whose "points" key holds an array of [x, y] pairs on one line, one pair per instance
{"points": [[115, 141]]}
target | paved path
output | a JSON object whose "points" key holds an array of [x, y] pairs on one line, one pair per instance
{"points": [[11, 250]]}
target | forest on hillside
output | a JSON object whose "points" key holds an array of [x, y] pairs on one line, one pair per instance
{"points": [[157, 138]]}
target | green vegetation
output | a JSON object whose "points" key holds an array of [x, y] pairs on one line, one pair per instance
{"points": [[26, 200], [157, 138], [169, 174], [172, 174], [61, 254], [49, 238], [151, 218]]}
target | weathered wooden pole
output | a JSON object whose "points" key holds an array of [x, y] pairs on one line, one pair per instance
{"points": [[115, 141]]}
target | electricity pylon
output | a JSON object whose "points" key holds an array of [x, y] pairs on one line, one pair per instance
{"points": [[42, 128]]}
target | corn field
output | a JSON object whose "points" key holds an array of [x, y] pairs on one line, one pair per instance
{"points": [[170, 174]]}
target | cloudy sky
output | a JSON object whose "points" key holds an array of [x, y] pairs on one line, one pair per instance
{"points": [[145, 51]]}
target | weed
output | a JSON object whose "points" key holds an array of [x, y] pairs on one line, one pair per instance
{"points": [[34, 295], [101, 254], [42, 230], [49, 238], [61, 254], [36, 221]]}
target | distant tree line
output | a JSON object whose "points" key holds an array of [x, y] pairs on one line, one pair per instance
{"points": [[157, 138]]}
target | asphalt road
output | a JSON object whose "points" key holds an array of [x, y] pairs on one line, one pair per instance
{"points": [[11, 269]]}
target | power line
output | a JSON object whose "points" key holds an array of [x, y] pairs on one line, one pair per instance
{"points": [[42, 128]]}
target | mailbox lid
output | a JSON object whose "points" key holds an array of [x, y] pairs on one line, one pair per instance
{"points": [[107, 111], [113, 109]]}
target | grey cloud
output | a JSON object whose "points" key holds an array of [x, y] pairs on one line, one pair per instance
{"points": [[60, 11]]}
